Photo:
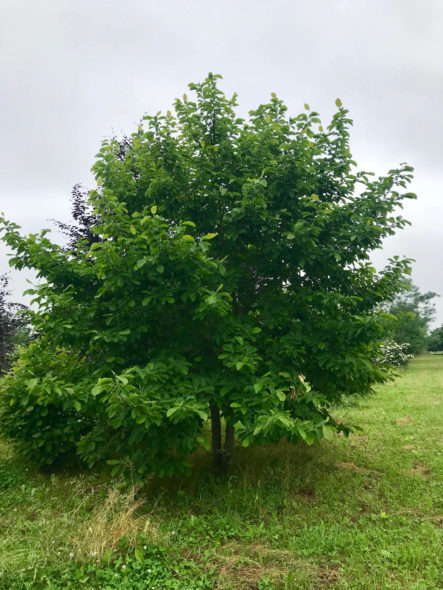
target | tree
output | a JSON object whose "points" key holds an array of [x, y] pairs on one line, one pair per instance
{"points": [[12, 326], [435, 340], [414, 311], [230, 281], [84, 220]]}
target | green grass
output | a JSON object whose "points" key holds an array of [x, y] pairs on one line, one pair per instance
{"points": [[363, 512]]}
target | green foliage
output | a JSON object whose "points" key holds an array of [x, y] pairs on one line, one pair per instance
{"points": [[48, 403], [414, 312], [435, 340], [13, 330], [229, 276]]}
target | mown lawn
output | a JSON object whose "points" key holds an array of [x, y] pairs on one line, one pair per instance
{"points": [[359, 513]]}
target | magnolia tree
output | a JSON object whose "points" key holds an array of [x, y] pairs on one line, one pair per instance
{"points": [[226, 282]]}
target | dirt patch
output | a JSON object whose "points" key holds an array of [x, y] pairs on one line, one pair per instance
{"points": [[362, 438], [403, 421], [242, 567], [306, 494], [353, 467], [327, 575], [240, 572], [408, 447], [249, 576], [420, 469]]}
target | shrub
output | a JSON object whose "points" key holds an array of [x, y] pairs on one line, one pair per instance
{"points": [[394, 354]]}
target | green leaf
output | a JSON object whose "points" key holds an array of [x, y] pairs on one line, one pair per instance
{"points": [[281, 395], [203, 442], [139, 555], [212, 299], [31, 383], [287, 422], [132, 230], [338, 102], [328, 432], [302, 433], [140, 263], [96, 390], [188, 238]]}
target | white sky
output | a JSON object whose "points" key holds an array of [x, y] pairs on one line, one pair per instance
{"points": [[73, 72]]}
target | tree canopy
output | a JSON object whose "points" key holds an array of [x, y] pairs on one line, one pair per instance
{"points": [[228, 278], [414, 311], [12, 328], [435, 340]]}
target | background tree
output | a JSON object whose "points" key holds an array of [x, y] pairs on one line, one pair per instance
{"points": [[229, 279], [12, 325], [435, 340], [84, 220], [414, 311]]}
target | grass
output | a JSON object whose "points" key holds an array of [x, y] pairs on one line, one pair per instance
{"points": [[362, 513]]}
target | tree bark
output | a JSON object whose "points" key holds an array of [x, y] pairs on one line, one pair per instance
{"points": [[229, 442], [218, 461]]}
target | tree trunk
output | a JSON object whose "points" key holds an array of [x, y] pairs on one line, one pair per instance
{"points": [[229, 442], [218, 461]]}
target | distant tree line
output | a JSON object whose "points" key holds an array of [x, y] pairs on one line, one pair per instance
{"points": [[412, 313], [435, 340], [13, 329]]}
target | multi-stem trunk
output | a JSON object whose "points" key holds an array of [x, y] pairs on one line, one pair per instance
{"points": [[221, 456], [229, 442], [218, 461]]}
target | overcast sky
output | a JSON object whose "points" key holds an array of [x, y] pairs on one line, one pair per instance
{"points": [[73, 72]]}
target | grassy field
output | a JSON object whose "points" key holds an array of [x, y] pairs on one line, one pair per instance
{"points": [[359, 513]]}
